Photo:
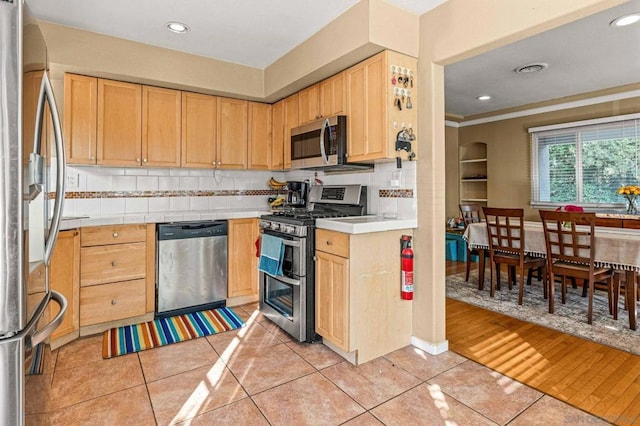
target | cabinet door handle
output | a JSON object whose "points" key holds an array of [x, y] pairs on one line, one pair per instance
{"points": [[115, 235], [144, 160], [138, 159], [114, 263], [114, 301]]}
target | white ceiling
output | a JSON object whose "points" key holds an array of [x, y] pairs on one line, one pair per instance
{"points": [[257, 32], [249, 32], [584, 56]]}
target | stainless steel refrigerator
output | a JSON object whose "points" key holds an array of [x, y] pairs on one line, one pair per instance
{"points": [[32, 170]]}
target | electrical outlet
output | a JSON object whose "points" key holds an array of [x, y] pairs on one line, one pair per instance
{"points": [[72, 180]]}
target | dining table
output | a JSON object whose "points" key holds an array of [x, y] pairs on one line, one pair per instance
{"points": [[616, 248]]}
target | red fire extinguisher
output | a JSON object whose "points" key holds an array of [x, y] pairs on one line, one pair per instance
{"points": [[406, 255]]}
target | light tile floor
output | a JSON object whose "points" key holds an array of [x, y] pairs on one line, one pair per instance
{"points": [[258, 375]]}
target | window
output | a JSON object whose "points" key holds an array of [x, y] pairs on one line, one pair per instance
{"points": [[586, 162]]}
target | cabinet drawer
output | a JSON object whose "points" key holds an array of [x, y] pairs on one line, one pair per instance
{"points": [[107, 264], [332, 242], [114, 234], [110, 302]]}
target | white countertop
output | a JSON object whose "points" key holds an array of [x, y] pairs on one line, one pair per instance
{"points": [[158, 217], [365, 224]]}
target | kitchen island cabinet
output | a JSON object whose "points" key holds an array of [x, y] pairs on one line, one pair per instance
{"points": [[117, 276], [64, 275], [359, 312]]}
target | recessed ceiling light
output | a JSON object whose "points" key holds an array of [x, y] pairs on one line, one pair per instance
{"points": [[483, 97], [625, 20], [178, 27], [529, 68]]}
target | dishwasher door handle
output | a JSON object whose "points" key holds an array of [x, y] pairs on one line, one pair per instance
{"points": [[201, 226]]}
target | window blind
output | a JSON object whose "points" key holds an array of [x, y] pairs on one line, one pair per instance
{"points": [[585, 164]]}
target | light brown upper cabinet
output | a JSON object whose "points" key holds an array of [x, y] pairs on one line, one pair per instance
{"points": [[291, 120], [309, 104], [277, 136], [161, 121], [199, 121], [332, 95], [119, 138], [260, 136], [232, 133], [366, 110], [80, 118], [322, 99], [374, 120]]}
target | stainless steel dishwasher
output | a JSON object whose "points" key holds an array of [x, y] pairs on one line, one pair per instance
{"points": [[191, 266]]}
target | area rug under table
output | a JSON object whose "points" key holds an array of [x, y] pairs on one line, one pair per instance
{"points": [[164, 331], [570, 318]]}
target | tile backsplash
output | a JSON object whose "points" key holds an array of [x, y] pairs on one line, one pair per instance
{"points": [[109, 191]]}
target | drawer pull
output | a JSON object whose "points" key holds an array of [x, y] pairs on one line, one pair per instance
{"points": [[116, 235], [329, 243], [114, 263], [114, 301]]}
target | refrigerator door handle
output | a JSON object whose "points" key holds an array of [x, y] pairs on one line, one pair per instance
{"points": [[46, 93], [46, 331]]}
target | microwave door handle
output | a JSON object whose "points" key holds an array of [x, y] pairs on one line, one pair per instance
{"points": [[323, 152], [46, 94]]}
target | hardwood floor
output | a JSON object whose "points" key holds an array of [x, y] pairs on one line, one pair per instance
{"points": [[595, 378]]}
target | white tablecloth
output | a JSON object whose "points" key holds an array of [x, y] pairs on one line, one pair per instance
{"points": [[615, 247]]}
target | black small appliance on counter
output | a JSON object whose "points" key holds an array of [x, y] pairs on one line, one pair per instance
{"points": [[297, 195]]}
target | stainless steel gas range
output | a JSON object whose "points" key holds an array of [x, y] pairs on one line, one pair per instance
{"points": [[289, 299]]}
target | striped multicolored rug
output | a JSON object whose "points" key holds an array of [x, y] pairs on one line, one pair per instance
{"points": [[164, 331]]}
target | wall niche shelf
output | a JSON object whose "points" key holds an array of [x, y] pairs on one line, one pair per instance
{"points": [[473, 173]]}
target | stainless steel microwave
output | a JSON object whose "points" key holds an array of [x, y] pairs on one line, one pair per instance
{"points": [[322, 144]]}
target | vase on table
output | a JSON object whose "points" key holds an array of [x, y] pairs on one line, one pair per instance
{"points": [[632, 208]]}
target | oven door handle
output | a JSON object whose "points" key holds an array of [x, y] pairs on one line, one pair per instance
{"points": [[291, 243], [284, 279]]}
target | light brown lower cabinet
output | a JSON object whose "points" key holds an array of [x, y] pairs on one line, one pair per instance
{"points": [[242, 268], [359, 312], [117, 278], [110, 302], [64, 275]]}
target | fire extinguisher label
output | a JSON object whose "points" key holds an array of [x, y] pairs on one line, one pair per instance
{"points": [[407, 281]]}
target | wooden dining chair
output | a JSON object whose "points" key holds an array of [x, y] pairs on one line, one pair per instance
{"points": [[470, 213], [505, 230], [570, 245]]}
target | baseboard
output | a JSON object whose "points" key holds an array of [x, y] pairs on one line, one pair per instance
{"points": [[428, 347], [89, 330], [349, 356]]}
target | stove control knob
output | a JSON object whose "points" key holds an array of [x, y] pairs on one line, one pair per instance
{"points": [[275, 226], [289, 229], [264, 224]]}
